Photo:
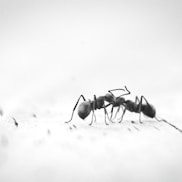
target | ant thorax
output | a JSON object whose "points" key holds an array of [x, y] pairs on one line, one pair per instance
{"points": [[109, 98], [118, 101], [131, 106]]}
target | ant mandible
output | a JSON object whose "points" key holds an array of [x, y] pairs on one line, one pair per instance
{"points": [[86, 107], [138, 107]]}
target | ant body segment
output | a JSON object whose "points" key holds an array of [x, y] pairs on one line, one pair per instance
{"points": [[86, 107], [138, 107]]}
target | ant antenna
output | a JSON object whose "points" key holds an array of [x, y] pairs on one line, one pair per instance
{"points": [[169, 124], [128, 92]]}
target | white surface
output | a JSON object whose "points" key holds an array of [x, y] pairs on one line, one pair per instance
{"points": [[45, 149]]}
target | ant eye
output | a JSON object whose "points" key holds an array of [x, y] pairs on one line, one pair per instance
{"points": [[84, 110]]}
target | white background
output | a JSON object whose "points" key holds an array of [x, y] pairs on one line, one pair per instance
{"points": [[61, 49]]}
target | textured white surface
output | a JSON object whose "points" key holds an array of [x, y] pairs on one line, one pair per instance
{"points": [[44, 148]]}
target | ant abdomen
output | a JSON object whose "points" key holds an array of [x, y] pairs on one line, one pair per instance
{"points": [[84, 109], [148, 110]]}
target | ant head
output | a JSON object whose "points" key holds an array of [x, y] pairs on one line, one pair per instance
{"points": [[84, 109], [109, 98]]}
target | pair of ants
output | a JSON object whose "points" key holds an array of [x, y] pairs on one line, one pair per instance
{"points": [[119, 102]]}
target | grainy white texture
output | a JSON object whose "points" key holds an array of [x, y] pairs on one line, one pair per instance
{"points": [[53, 51]]}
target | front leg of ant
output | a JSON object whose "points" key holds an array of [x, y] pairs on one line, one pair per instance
{"points": [[81, 96], [121, 119], [112, 109], [105, 115], [119, 107], [93, 108]]}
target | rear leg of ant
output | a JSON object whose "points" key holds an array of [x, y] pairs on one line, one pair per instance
{"points": [[106, 114], [81, 96], [120, 107], [93, 118], [137, 100], [140, 106], [169, 124], [112, 110], [93, 108]]}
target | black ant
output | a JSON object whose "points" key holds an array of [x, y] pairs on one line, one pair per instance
{"points": [[137, 107], [86, 107]]}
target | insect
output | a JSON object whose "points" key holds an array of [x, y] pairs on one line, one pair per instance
{"points": [[138, 107], [87, 106]]}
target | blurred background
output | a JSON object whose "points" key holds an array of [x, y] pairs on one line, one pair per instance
{"points": [[51, 51]]}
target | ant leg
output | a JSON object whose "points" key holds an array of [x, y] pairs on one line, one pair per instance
{"points": [[81, 96], [93, 108], [169, 124], [112, 109], [140, 106], [106, 113], [121, 119], [93, 116], [145, 100], [137, 100], [120, 107]]}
